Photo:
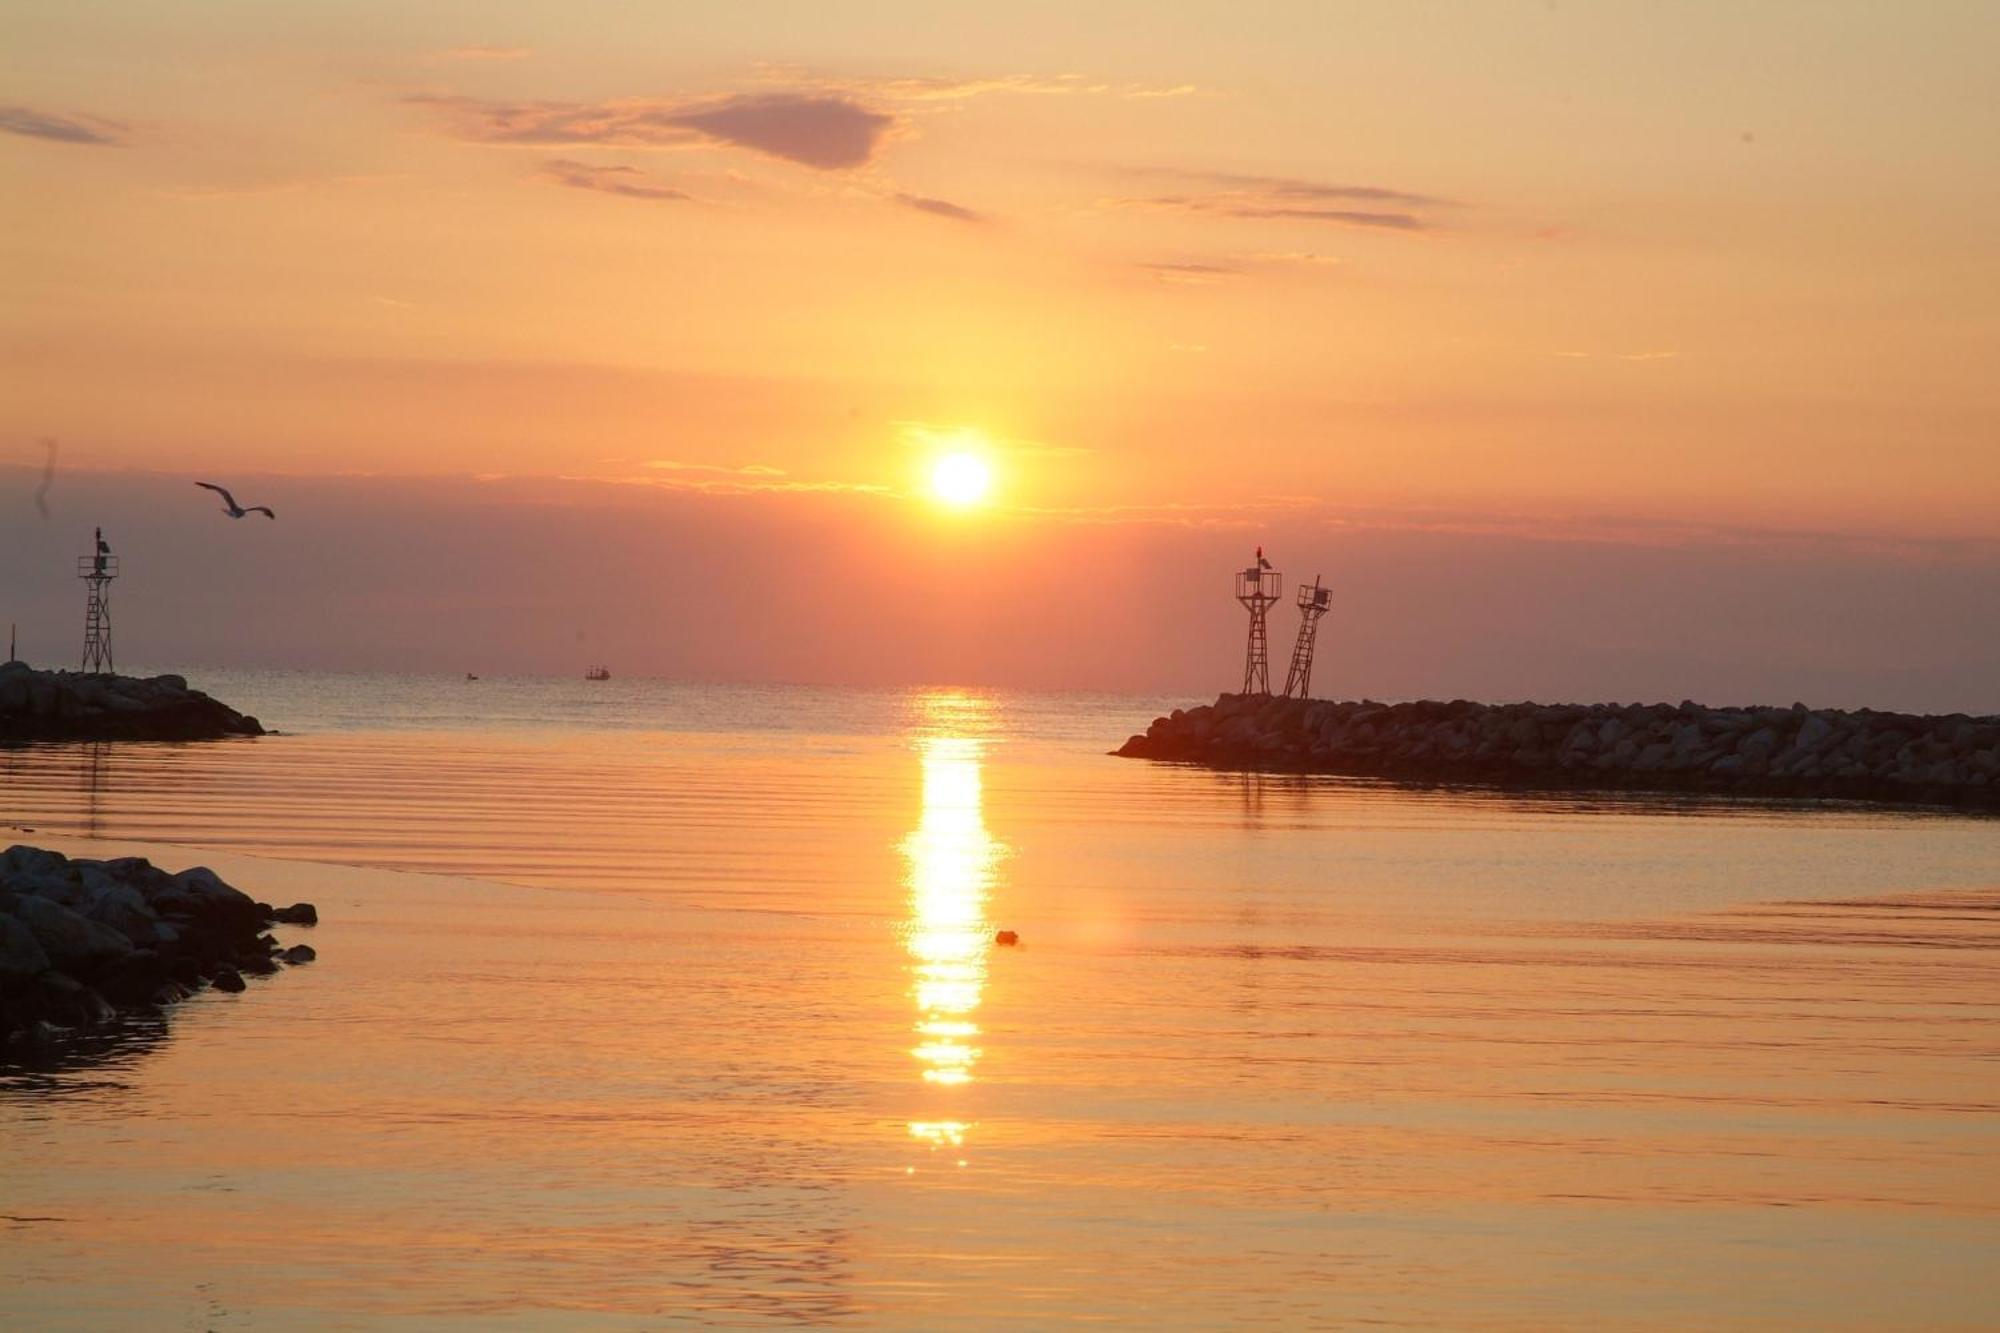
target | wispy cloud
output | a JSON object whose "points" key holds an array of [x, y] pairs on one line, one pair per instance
{"points": [[627, 182], [1291, 257], [1618, 356], [91, 131], [1233, 206], [1632, 530], [1209, 271], [751, 485], [943, 208], [1297, 191], [824, 131], [1285, 198], [747, 470], [945, 89], [748, 479], [1563, 528], [1191, 274], [1253, 512], [930, 436]]}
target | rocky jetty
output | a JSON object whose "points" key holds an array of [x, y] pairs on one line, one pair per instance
{"points": [[1794, 752], [83, 942], [73, 706]]}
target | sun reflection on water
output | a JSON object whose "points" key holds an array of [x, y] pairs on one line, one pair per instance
{"points": [[952, 868]]}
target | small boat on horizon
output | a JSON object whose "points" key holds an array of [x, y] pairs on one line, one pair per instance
{"points": [[597, 673]]}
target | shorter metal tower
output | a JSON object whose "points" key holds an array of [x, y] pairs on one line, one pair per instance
{"points": [[97, 571], [1257, 588], [1312, 605]]}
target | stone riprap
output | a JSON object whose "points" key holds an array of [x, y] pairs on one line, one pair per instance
{"points": [[74, 706], [84, 941], [1773, 752]]}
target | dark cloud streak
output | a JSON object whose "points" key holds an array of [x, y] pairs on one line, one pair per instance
{"points": [[827, 132], [1287, 187], [943, 208], [1191, 272], [824, 131], [86, 130], [1239, 206], [627, 182], [1285, 198], [1343, 216]]}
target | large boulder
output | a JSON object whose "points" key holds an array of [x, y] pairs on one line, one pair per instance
{"points": [[135, 978], [198, 894], [70, 941], [22, 956], [43, 873], [112, 888], [122, 908]]}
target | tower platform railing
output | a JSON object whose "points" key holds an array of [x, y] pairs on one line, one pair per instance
{"points": [[1258, 587]]}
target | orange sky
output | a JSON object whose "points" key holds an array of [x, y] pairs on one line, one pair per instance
{"points": [[1547, 269]]}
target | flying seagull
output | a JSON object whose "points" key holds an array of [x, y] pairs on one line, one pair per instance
{"points": [[235, 510]]}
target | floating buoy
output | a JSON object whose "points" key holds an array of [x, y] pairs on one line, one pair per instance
{"points": [[1007, 937]]}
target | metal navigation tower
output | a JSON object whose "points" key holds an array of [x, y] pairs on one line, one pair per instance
{"points": [[1312, 605], [97, 571], [1257, 588]]}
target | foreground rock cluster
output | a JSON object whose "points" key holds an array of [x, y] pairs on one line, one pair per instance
{"points": [[1784, 752], [83, 941], [72, 706]]}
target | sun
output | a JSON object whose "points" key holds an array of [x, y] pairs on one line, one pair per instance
{"points": [[961, 480]]}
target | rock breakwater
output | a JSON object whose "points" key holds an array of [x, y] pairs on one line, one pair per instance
{"points": [[1952, 759], [84, 941], [74, 706]]}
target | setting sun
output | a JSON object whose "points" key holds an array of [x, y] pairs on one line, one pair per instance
{"points": [[961, 480]]}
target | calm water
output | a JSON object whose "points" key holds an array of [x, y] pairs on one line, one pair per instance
{"points": [[643, 1005]]}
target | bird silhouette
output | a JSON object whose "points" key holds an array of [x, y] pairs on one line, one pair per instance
{"points": [[233, 509]]}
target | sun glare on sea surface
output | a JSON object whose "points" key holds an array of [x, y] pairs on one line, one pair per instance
{"points": [[961, 480]]}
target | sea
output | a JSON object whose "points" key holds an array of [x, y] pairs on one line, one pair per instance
{"points": [[642, 1004]]}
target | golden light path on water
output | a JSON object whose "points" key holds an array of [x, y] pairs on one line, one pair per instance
{"points": [[952, 866]]}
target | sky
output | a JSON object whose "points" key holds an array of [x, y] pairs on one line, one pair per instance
{"points": [[1611, 350]]}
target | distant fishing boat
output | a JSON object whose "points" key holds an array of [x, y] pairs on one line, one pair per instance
{"points": [[597, 673], [470, 676]]}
